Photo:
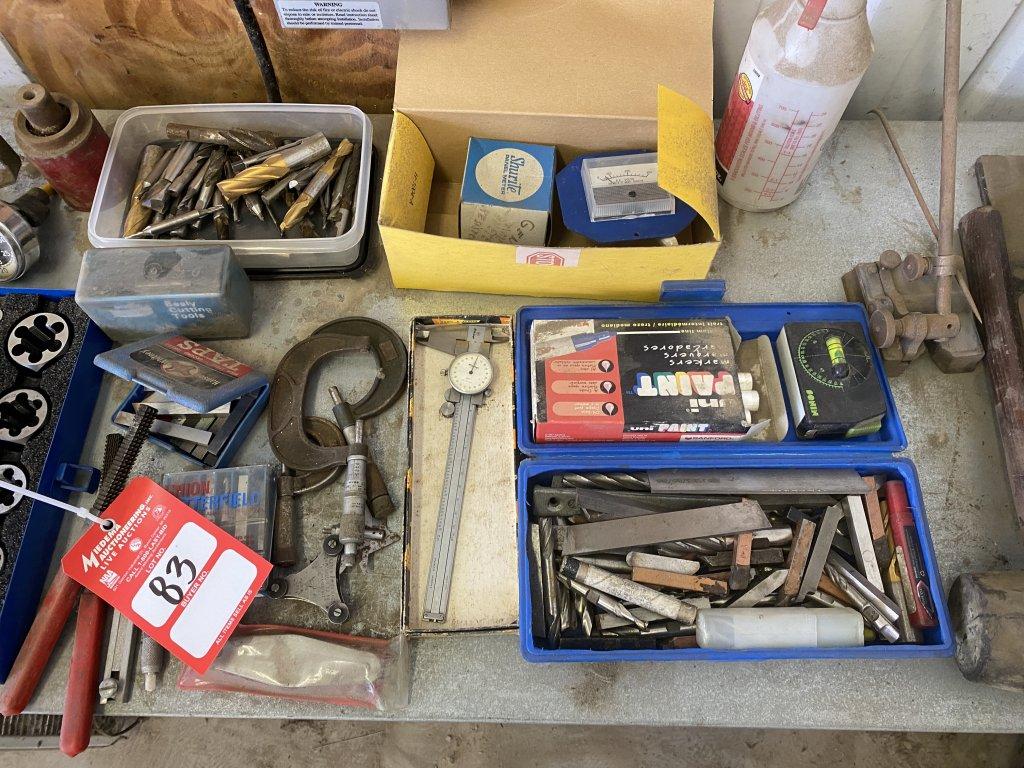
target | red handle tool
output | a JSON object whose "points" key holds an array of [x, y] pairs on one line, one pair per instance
{"points": [[904, 536], [42, 637], [83, 675]]}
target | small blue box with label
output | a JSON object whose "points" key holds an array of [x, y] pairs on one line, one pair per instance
{"points": [[507, 192]]}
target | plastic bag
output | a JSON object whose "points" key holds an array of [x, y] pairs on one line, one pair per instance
{"points": [[294, 663]]}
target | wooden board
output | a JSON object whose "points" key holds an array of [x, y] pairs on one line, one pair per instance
{"points": [[331, 66], [113, 54]]}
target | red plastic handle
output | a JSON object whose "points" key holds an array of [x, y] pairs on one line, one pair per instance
{"points": [[39, 644], [83, 676]]}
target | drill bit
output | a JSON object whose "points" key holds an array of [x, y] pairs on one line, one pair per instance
{"points": [[316, 186], [220, 218], [138, 215], [609, 481], [342, 213], [195, 184], [233, 138], [167, 225], [154, 175], [158, 195], [253, 204], [252, 179], [241, 163], [190, 171], [211, 175], [273, 192], [339, 185]]}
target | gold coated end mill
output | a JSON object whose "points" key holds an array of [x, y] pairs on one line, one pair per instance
{"points": [[252, 179], [316, 186], [275, 166]]}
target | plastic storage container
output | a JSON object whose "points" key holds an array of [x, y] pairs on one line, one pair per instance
{"points": [[197, 290], [868, 454], [197, 377], [241, 500], [139, 126]]}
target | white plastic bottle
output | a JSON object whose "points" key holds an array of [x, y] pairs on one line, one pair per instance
{"points": [[803, 61], [743, 628]]}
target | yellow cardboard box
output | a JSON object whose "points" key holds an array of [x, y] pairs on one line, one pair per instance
{"points": [[583, 75]]}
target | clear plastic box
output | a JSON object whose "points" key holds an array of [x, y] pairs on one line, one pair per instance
{"points": [[624, 186], [139, 126], [241, 500], [197, 290]]}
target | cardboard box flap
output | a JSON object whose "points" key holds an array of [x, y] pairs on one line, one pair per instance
{"points": [[686, 161], [577, 57], [405, 188]]}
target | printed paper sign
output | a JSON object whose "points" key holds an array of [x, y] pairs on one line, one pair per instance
{"points": [[177, 576], [548, 257], [329, 14]]}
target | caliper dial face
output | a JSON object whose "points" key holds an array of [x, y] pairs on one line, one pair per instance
{"points": [[470, 373]]}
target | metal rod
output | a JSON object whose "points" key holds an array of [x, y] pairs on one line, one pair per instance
{"points": [[887, 127], [944, 262]]}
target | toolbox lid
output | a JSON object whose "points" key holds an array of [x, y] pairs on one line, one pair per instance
{"points": [[703, 298], [190, 373]]}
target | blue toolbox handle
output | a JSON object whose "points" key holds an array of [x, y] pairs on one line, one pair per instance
{"points": [[70, 477], [691, 291]]}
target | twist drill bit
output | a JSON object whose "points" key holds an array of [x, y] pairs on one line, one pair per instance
{"points": [[233, 138], [252, 179], [317, 185], [138, 214], [608, 481]]}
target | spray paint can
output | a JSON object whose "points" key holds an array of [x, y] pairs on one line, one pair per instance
{"points": [[63, 140], [803, 61]]}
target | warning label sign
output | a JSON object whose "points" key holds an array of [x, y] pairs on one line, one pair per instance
{"points": [[329, 14]]}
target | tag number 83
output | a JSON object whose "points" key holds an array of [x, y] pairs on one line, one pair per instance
{"points": [[170, 591]]}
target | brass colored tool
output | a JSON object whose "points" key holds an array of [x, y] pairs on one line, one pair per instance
{"points": [[138, 214], [316, 186], [275, 166]]}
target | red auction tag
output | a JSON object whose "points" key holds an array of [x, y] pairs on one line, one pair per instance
{"points": [[173, 573]]}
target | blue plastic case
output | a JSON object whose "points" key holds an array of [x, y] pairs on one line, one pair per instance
{"points": [[121, 363], [36, 551], [870, 454]]}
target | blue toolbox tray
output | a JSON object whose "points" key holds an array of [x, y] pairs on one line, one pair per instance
{"points": [[869, 454], [35, 553]]}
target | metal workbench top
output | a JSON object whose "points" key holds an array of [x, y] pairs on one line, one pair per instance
{"points": [[856, 205]]}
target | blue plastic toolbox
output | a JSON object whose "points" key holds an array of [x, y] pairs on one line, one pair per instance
{"points": [[59, 477], [869, 454]]}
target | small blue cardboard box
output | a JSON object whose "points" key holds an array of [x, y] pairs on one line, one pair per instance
{"points": [[507, 192]]}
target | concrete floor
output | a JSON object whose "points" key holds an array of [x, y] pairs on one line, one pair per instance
{"points": [[161, 742]]}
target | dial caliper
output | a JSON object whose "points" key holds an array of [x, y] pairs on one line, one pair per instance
{"points": [[470, 375]]}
